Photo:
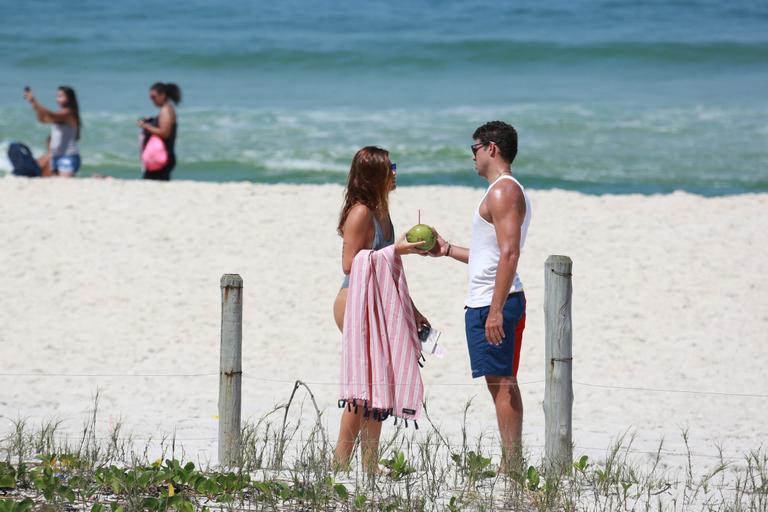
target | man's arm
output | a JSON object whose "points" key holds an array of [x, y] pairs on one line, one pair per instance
{"points": [[506, 205], [443, 248]]}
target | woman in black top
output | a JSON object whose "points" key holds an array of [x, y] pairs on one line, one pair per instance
{"points": [[164, 96]]}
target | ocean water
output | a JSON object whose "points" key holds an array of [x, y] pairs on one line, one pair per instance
{"points": [[607, 96]]}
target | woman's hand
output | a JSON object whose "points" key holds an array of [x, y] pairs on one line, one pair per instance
{"points": [[140, 123], [421, 320], [403, 246]]}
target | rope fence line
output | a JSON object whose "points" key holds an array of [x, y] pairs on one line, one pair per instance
{"points": [[489, 440], [28, 373], [667, 390], [490, 443], [62, 374], [260, 379]]}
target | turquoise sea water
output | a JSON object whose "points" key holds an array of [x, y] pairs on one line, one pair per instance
{"points": [[608, 96]]}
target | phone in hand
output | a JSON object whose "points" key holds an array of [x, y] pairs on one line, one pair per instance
{"points": [[428, 338]]}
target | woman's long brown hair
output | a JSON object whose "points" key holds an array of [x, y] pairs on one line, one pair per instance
{"points": [[72, 106], [368, 183]]}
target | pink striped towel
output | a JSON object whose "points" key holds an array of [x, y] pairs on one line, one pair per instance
{"points": [[381, 349]]}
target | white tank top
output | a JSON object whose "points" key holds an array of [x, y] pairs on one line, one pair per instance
{"points": [[484, 253]]}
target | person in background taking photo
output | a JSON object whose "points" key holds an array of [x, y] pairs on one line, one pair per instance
{"points": [[63, 157], [164, 96]]}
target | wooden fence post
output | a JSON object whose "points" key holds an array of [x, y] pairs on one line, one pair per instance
{"points": [[230, 369], [558, 390]]}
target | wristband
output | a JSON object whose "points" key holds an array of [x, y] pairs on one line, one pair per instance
{"points": [[448, 252]]}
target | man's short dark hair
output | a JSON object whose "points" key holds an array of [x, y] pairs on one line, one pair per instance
{"points": [[500, 133]]}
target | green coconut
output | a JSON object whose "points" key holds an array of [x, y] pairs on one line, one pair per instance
{"points": [[421, 233]]}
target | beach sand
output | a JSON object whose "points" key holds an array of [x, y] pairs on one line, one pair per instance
{"points": [[106, 278]]}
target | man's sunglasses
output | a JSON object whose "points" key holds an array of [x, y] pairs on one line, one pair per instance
{"points": [[476, 147], [393, 167]]}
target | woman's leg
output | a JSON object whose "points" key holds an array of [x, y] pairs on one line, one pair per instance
{"points": [[45, 165], [350, 422], [370, 432], [157, 175], [348, 430], [353, 424]]}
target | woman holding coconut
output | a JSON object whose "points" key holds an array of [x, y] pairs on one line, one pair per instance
{"points": [[364, 223]]}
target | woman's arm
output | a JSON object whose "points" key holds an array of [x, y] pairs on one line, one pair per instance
{"points": [[47, 116], [164, 124], [421, 320], [358, 233]]}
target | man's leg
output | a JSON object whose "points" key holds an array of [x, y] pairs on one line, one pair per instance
{"points": [[509, 414]]}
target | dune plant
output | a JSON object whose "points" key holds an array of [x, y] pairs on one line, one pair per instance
{"points": [[286, 464]]}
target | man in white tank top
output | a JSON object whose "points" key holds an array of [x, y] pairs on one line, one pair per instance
{"points": [[495, 304]]}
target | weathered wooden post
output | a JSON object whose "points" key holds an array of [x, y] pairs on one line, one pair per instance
{"points": [[558, 390], [230, 369]]}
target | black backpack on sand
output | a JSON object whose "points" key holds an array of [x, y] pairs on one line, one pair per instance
{"points": [[24, 164]]}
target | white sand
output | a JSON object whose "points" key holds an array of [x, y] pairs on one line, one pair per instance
{"points": [[122, 277]]}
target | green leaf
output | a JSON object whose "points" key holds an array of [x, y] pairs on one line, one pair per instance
{"points": [[144, 478], [151, 503], [7, 481], [16, 506], [341, 491], [359, 500], [68, 493], [24, 505], [582, 463], [533, 478], [97, 507]]}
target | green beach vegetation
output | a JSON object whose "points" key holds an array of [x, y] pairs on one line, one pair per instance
{"points": [[287, 467]]}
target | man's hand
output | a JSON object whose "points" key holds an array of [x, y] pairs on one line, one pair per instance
{"points": [[494, 327], [441, 246]]}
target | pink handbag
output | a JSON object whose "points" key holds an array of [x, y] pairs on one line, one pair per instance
{"points": [[154, 156]]}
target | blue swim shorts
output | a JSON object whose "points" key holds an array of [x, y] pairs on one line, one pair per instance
{"points": [[66, 164], [496, 360]]}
